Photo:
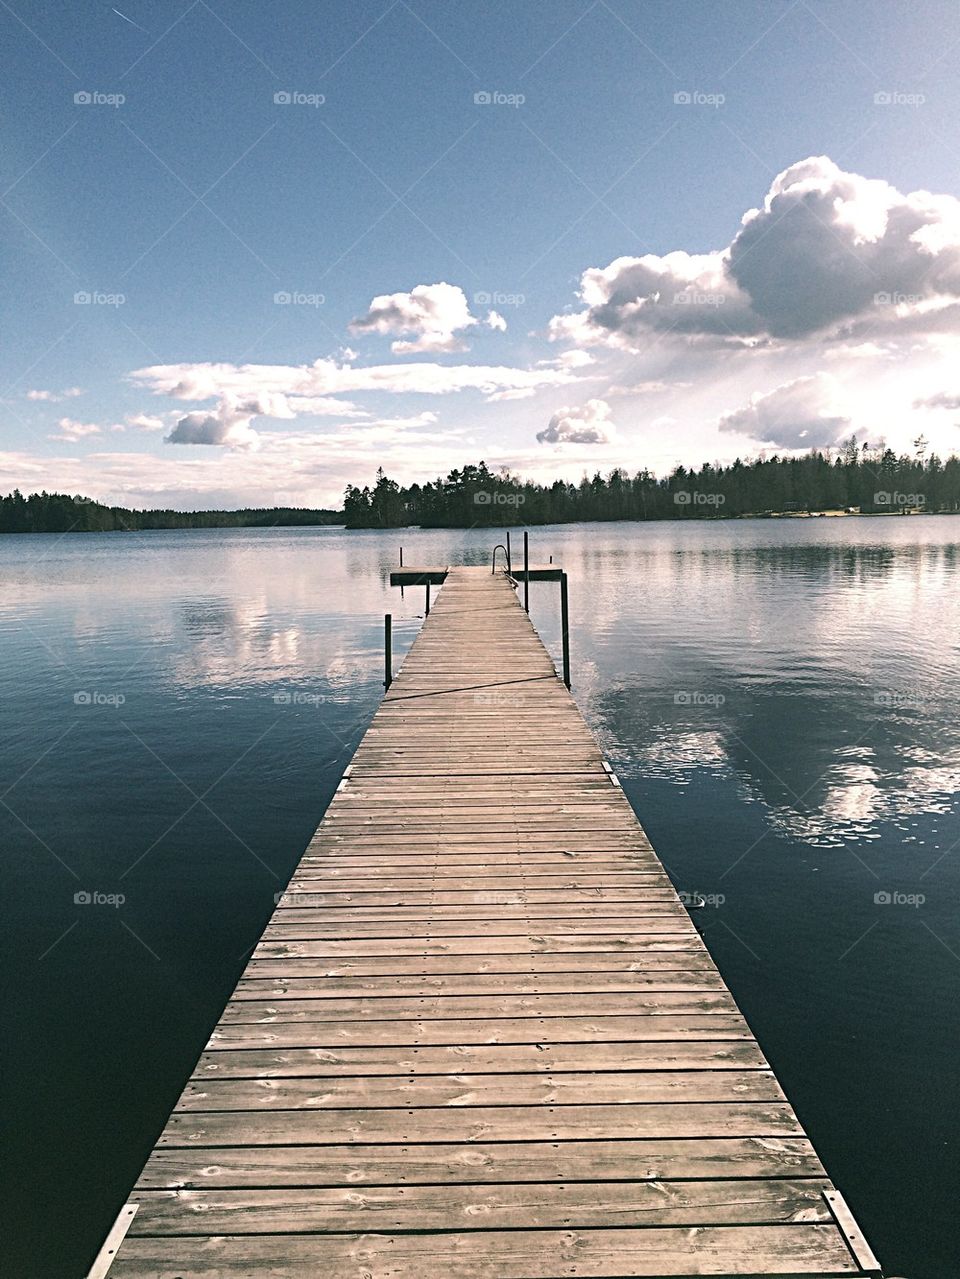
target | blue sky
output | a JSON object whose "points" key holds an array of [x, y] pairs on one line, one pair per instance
{"points": [[308, 247]]}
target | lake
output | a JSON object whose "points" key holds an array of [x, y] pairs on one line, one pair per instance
{"points": [[779, 698]]}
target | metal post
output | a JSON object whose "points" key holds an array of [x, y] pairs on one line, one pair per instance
{"points": [[387, 649], [526, 572], [509, 560], [428, 600], [565, 628], [401, 557]]}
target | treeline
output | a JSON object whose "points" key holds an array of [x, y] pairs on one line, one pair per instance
{"points": [[61, 513], [857, 479]]}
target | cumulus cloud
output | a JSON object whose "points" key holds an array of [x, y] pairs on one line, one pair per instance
{"points": [[802, 414], [587, 423], [435, 314], [826, 252], [228, 425]]}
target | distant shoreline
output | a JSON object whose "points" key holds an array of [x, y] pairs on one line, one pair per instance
{"points": [[183, 524]]}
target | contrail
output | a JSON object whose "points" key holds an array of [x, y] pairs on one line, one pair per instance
{"points": [[131, 21]]}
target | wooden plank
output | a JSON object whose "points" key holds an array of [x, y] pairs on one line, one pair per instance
{"points": [[481, 1163], [422, 986], [561, 1029], [543, 1122], [648, 917], [612, 962], [573, 1088], [499, 1207], [809, 1249], [337, 1060], [450, 1007], [485, 936]]}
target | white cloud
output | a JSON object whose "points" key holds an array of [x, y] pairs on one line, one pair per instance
{"points": [[828, 253], [650, 387], [401, 423], [436, 314], [285, 392], [942, 400], [587, 423], [515, 393], [572, 359], [801, 414], [496, 321], [325, 378], [73, 431], [146, 422], [55, 397]]}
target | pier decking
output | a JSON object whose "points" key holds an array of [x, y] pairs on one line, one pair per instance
{"points": [[481, 1038]]}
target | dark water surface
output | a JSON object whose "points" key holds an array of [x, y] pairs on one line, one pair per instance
{"points": [[779, 698]]}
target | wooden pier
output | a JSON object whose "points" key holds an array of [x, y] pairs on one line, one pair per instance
{"points": [[480, 1037]]}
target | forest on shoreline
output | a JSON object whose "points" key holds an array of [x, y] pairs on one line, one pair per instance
{"points": [[61, 513], [857, 480]]}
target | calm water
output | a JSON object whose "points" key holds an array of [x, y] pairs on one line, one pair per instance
{"points": [[779, 698]]}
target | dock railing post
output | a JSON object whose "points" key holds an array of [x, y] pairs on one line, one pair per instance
{"points": [[387, 649], [526, 572], [565, 628], [427, 611], [509, 560]]}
